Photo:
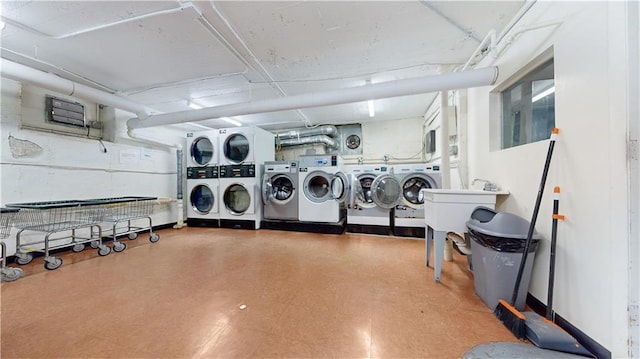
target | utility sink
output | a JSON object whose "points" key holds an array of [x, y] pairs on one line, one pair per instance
{"points": [[448, 210]]}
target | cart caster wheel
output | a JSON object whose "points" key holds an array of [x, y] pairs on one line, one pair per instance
{"points": [[24, 258], [11, 274], [77, 248], [154, 237], [55, 264], [94, 244], [103, 251], [119, 247], [133, 236]]}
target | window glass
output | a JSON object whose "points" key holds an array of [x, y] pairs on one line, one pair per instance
{"points": [[528, 107]]}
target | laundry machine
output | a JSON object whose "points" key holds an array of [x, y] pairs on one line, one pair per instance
{"points": [[203, 196], [240, 145], [408, 219], [375, 192], [203, 149], [325, 189], [239, 189], [280, 190]]}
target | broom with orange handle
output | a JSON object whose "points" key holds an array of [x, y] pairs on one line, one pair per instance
{"points": [[506, 311]]}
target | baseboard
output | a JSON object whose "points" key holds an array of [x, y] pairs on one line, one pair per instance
{"points": [[414, 232], [310, 227], [368, 229], [237, 224], [198, 222], [591, 345]]}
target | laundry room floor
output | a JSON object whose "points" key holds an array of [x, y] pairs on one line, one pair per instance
{"points": [[306, 296]]}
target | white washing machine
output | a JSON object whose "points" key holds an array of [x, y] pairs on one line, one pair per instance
{"points": [[375, 192], [408, 219], [280, 190], [325, 188], [203, 197], [246, 145], [202, 148], [241, 207]]}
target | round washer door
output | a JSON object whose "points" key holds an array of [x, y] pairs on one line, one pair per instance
{"points": [[316, 186], [412, 185], [339, 187], [237, 199], [202, 151], [282, 189], [386, 191], [202, 199], [362, 189], [266, 188], [236, 148]]}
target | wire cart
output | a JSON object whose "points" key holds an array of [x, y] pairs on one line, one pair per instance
{"points": [[54, 217], [6, 222], [118, 210]]}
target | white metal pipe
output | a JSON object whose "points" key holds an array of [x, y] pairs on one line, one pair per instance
{"points": [[19, 72], [445, 169], [450, 81]]}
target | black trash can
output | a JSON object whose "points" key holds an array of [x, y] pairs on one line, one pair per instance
{"points": [[497, 244]]}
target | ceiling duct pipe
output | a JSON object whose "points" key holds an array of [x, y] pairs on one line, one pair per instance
{"points": [[317, 139], [15, 71], [327, 130], [426, 84]]}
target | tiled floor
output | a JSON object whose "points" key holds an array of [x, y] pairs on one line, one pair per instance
{"points": [[306, 295]]}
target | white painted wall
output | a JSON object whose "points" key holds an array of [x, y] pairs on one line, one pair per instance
{"points": [[589, 161], [78, 168]]}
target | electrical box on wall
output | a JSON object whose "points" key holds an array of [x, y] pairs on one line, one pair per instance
{"points": [[350, 139], [64, 112]]}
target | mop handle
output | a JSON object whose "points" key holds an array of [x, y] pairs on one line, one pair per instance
{"points": [[536, 209], [552, 256]]}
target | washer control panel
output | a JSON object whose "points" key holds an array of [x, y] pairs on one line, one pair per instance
{"points": [[234, 171], [202, 172]]}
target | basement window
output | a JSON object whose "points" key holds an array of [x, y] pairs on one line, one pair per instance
{"points": [[528, 107]]}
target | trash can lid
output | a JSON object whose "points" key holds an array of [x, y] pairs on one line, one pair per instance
{"points": [[503, 225]]}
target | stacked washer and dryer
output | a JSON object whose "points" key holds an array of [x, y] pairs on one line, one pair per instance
{"points": [[243, 152], [375, 192], [202, 179], [408, 218]]}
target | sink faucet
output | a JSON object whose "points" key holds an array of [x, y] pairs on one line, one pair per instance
{"points": [[488, 185]]}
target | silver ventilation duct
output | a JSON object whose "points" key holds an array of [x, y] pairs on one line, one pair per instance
{"points": [[328, 130], [317, 139]]}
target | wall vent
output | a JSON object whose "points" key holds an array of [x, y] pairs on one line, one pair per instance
{"points": [[64, 112]]}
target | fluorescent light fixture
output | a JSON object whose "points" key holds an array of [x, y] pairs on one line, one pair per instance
{"points": [[2, 25], [194, 106], [199, 125], [231, 121], [543, 94], [372, 109]]}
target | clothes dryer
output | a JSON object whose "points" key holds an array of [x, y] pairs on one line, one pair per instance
{"points": [[203, 196], [325, 188], [202, 148], [239, 189], [375, 192], [408, 219], [280, 190], [246, 145]]}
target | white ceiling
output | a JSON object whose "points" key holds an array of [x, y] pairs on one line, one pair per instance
{"points": [[165, 53]]}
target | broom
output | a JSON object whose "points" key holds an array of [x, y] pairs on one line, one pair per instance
{"points": [[506, 311]]}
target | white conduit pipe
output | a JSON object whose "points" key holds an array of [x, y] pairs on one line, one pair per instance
{"points": [[18, 72], [450, 81]]}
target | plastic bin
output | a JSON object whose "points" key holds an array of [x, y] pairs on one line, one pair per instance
{"points": [[497, 244]]}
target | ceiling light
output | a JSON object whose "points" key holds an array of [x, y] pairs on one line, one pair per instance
{"points": [[199, 125], [543, 94], [2, 24], [372, 109], [194, 106], [231, 121]]}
